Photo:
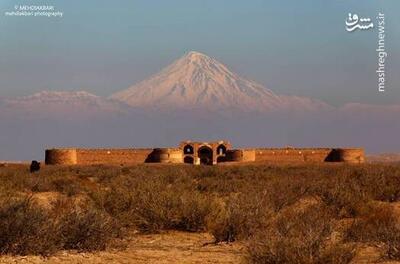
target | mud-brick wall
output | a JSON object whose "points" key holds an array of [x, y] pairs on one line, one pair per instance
{"points": [[348, 155], [112, 156], [241, 155], [292, 155]]}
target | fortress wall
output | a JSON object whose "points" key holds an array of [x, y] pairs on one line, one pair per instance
{"points": [[112, 156], [248, 155], [71, 156], [309, 155], [292, 155]]}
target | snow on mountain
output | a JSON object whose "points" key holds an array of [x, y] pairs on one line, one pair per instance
{"points": [[194, 81], [197, 81]]}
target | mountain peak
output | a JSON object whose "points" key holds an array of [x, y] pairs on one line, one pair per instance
{"points": [[197, 81], [194, 55], [194, 61]]}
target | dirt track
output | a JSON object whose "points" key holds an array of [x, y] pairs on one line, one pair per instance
{"points": [[170, 247]]}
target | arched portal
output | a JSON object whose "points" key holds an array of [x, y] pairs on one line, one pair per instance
{"points": [[188, 149], [221, 159], [221, 150], [188, 159], [205, 155]]}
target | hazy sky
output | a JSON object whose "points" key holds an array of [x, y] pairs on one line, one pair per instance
{"points": [[292, 47]]}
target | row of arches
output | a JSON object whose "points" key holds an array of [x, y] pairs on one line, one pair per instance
{"points": [[204, 153]]}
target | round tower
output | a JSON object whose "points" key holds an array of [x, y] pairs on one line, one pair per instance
{"points": [[60, 157], [167, 155]]}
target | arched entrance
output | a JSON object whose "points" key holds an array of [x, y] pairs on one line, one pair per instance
{"points": [[221, 159], [188, 159], [205, 155]]}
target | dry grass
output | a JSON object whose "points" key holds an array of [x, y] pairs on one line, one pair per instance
{"points": [[299, 237], [260, 205], [379, 226], [26, 228]]}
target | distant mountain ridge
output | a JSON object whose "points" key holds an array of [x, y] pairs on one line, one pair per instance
{"points": [[68, 104], [193, 82]]}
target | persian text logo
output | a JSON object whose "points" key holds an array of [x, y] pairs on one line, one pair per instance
{"points": [[353, 22]]}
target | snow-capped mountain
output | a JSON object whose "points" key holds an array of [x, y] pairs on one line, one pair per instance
{"points": [[193, 82], [197, 81]]}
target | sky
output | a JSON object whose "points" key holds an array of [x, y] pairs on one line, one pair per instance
{"points": [[292, 47]]}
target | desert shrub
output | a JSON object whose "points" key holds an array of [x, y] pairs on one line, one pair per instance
{"points": [[48, 179], [152, 204], [285, 191], [25, 229], [298, 237], [342, 193], [379, 225], [226, 222], [66, 186], [382, 182], [232, 202], [238, 216], [84, 229]]}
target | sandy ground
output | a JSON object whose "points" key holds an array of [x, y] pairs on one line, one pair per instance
{"points": [[170, 247]]}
